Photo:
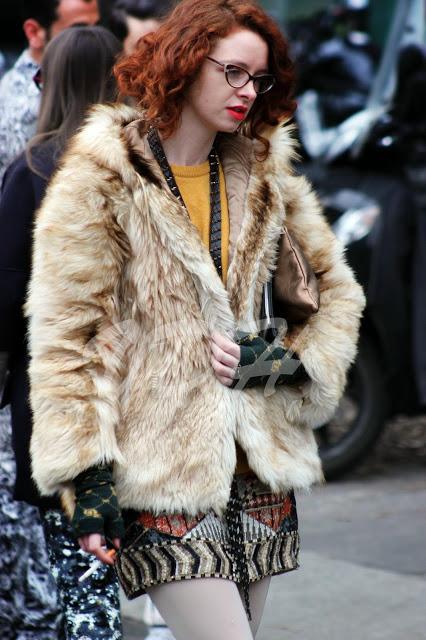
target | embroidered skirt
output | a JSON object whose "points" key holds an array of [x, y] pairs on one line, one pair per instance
{"points": [[257, 537]]}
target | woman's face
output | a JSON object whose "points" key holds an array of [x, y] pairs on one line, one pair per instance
{"points": [[210, 99]]}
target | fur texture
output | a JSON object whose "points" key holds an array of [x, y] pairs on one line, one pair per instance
{"points": [[122, 301]]}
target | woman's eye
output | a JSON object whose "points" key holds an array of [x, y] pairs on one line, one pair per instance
{"points": [[237, 74]]}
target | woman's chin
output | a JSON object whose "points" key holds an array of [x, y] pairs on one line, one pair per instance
{"points": [[229, 127]]}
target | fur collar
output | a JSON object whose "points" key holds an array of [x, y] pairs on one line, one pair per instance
{"points": [[112, 137]]}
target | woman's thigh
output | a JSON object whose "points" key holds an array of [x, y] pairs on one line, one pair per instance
{"points": [[258, 594], [203, 609]]}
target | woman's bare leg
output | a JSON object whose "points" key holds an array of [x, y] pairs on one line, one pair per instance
{"points": [[203, 609], [258, 593]]}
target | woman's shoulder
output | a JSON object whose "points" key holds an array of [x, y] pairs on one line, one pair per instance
{"points": [[32, 167], [101, 143], [283, 145], [20, 185], [103, 125], [18, 171]]}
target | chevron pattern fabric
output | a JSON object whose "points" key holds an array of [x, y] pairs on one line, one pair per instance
{"points": [[164, 548]]}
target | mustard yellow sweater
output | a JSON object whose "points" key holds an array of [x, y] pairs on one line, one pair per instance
{"points": [[194, 185]]}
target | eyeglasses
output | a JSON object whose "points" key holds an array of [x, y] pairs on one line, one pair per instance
{"points": [[238, 77], [38, 79]]}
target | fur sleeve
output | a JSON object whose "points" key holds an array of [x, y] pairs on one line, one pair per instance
{"points": [[327, 343], [75, 361]]}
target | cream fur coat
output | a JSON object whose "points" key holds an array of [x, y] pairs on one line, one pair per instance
{"points": [[122, 301]]}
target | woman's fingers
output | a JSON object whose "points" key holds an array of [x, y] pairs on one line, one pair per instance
{"points": [[107, 556], [226, 345], [223, 357], [83, 543], [222, 370], [94, 543], [225, 381]]}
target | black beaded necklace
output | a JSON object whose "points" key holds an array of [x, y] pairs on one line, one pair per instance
{"points": [[215, 206], [233, 513]]}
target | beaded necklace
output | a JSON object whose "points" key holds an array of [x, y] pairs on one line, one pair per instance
{"points": [[215, 206]]}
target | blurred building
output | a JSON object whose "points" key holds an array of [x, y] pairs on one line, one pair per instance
{"points": [[381, 12]]}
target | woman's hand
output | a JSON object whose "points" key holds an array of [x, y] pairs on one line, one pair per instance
{"points": [[97, 513], [225, 357], [95, 543]]}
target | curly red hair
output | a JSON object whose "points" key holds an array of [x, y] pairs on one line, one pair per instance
{"points": [[167, 61]]}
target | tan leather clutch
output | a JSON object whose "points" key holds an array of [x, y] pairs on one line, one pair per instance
{"points": [[295, 290]]}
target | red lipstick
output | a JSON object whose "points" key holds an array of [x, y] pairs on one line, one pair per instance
{"points": [[238, 112]]}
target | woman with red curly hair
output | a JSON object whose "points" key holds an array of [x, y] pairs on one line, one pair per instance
{"points": [[171, 412]]}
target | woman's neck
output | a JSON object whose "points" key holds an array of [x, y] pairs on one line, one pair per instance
{"points": [[191, 143]]}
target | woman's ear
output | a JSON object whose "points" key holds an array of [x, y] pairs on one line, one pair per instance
{"points": [[36, 36]]}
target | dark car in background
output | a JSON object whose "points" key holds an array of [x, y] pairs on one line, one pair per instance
{"points": [[364, 149]]}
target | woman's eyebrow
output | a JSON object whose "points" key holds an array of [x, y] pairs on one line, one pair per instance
{"points": [[238, 63]]}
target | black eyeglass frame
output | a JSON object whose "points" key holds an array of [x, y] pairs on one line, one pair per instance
{"points": [[225, 66]]}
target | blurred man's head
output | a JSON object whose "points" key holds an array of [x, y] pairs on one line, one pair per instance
{"points": [[43, 19], [132, 19]]}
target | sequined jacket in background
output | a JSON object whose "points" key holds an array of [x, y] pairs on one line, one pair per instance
{"points": [[19, 107]]}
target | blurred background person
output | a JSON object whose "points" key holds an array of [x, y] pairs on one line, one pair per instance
{"points": [[28, 598], [75, 74], [19, 98], [27, 595], [130, 20]]}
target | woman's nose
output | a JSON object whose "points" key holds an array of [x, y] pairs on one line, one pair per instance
{"points": [[247, 91]]}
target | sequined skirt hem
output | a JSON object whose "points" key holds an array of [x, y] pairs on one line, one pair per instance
{"points": [[141, 567]]}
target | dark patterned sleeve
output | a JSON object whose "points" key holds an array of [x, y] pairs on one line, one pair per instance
{"points": [[262, 363]]}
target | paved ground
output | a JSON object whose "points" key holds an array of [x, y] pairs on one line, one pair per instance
{"points": [[363, 573]]}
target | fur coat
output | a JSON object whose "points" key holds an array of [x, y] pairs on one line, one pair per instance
{"points": [[123, 298]]}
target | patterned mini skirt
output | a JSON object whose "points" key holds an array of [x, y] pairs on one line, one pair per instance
{"points": [[256, 537]]}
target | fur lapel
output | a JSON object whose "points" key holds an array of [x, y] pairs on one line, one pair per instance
{"points": [[177, 231], [256, 210], [257, 214]]}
